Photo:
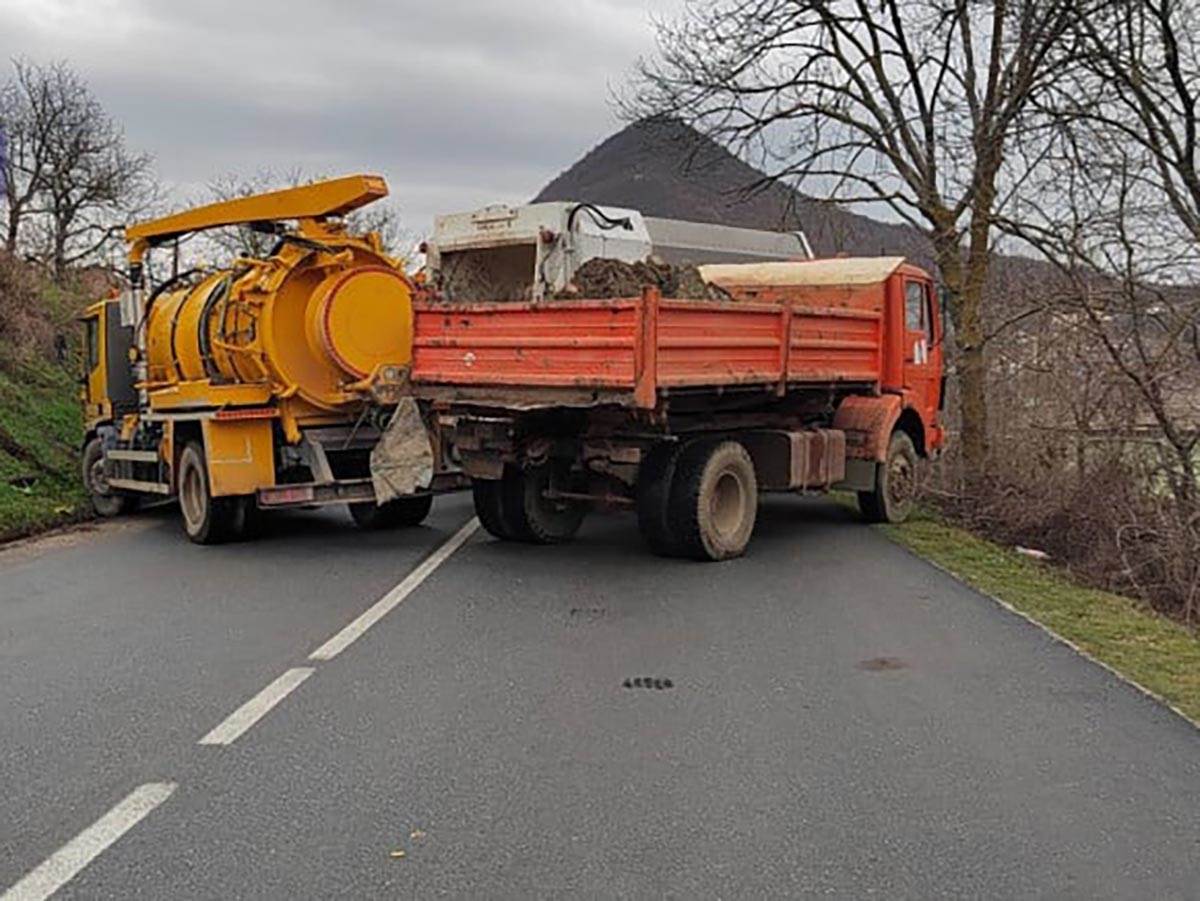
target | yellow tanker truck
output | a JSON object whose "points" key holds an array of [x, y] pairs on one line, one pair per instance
{"points": [[275, 382]]}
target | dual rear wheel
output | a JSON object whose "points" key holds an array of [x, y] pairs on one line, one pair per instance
{"points": [[698, 500], [695, 499], [522, 505]]}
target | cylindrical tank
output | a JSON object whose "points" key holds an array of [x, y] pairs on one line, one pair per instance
{"points": [[309, 320]]}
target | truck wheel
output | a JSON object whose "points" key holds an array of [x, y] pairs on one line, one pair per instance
{"points": [[547, 520], [655, 475], [486, 494], [500, 505], [405, 511], [206, 519], [895, 491], [105, 501], [714, 500]]}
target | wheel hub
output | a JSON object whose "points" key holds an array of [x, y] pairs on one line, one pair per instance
{"points": [[728, 499], [190, 496], [97, 478], [901, 480]]}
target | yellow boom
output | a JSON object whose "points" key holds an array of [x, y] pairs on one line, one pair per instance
{"points": [[335, 197]]}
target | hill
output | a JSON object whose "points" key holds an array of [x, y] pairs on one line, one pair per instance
{"points": [[665, 168]]}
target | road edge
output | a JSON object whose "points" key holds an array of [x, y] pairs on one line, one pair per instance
{"points": [[892, 533]]}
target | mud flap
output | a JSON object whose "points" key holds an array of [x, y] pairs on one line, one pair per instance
{"points": [[402, 461]]}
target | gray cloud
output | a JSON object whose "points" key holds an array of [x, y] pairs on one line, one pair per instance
{"points": [[457, 103]]}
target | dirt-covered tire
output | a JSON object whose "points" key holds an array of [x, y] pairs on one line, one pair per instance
{"points": [[895, 492], [105, 501], [546, 520], [206, 519], [655, 475], [714, 500], [405, 511], [486, 494], [500, 505]]}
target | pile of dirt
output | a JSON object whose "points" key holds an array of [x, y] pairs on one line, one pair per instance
{"points": [[604, 278], [468, 279]]}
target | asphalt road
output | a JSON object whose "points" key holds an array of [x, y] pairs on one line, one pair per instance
{"points": [[832, 716]]}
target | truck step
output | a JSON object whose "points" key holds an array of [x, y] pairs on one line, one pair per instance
{"points": [[133, 456], [139, 485]]}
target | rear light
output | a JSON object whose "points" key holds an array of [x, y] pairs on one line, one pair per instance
{"points": [[296, 494]]}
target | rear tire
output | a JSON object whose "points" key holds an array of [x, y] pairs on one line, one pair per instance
{"points": [[714, 500], [654, 479], [207, 519], [499, 504], [547, 520], [404, 511], [105, 501], [514, 508], [895, 492], [486, 494]]}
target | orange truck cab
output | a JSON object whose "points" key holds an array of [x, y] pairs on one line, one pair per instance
{"points": [[809, 375]]}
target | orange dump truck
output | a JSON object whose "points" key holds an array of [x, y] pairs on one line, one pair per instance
{"points": [[812, 375]]}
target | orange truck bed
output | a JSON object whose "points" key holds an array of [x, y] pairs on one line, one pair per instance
{"points": [[629, 350]]}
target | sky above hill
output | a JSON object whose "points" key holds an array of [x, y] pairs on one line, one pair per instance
{"points": [[457, 103]]}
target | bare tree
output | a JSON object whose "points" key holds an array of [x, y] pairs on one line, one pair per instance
{"points": [[71, 182], [1115, 206], [27, 116], [904, 104], [1117, 210]]}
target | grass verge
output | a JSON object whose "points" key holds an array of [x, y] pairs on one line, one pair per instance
{"points": [[1149, 649], [39, 439]]}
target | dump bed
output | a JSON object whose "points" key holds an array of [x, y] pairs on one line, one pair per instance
{"points": [[629, 351]]}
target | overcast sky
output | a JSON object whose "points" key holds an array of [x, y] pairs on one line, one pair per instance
{"points": [[457, 103]]}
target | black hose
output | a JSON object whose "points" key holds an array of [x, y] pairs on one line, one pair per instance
{"points": [[161, 289], [603, 220]]}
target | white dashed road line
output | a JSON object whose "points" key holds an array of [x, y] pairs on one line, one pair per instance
{"points": [[257, 707], [393, 598], [62, 866]]}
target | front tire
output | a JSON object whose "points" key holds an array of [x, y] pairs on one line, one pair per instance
{"points": [[404, 511], [714, 500], [895, 493], [206, 519], [105, 501]]}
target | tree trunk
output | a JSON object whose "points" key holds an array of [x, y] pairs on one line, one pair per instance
{"points": [[12, 228], [972, 390], [964, 292]]}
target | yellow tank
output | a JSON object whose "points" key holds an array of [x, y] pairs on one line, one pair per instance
{"points": [[316, 322]]}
